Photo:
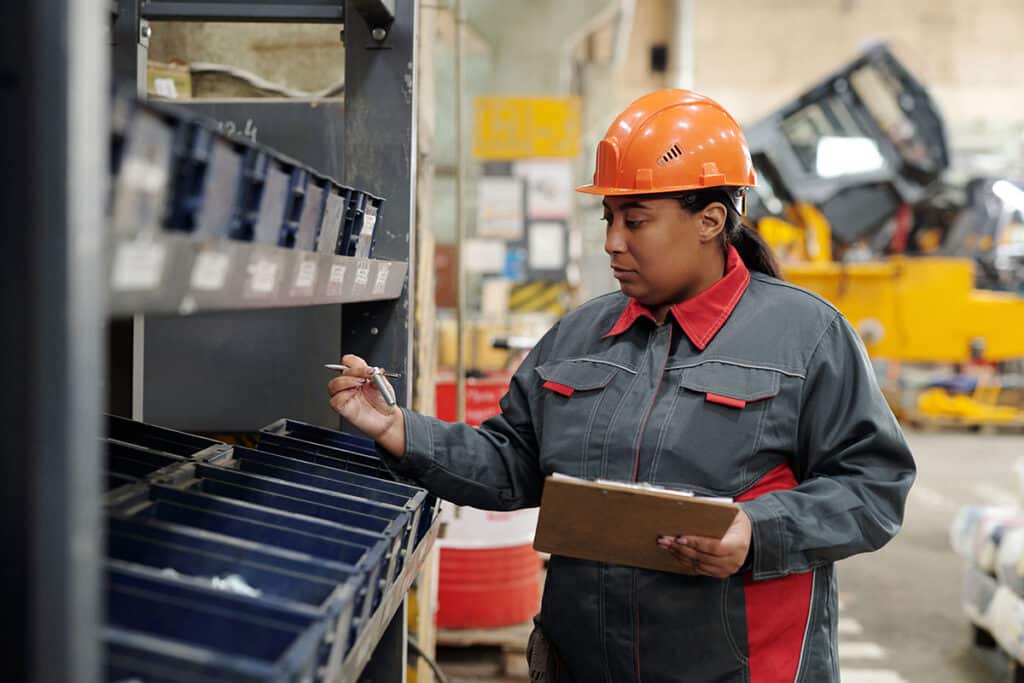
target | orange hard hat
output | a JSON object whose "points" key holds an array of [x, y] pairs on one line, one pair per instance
{"points": [[671, 141]]}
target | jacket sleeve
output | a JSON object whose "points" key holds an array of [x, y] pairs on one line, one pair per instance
{"points": [[493, 467], [853, 464]]}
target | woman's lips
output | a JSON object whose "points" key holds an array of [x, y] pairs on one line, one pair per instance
{"points": [[623, 273]]}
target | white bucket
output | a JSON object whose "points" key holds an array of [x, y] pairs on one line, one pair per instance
{"points": [[467, 528]]}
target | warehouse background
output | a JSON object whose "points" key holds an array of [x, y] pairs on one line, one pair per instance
{"points": [[501, 248]]}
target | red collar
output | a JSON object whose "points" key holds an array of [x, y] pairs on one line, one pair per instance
{"points": [[702, 316]]}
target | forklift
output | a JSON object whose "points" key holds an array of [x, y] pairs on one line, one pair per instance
{"points": [[853, 200]]}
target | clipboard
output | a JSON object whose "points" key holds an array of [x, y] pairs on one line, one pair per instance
{"points": [[619, 523]]}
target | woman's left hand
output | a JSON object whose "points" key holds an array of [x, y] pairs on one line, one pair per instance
{"points": [[711, 556]]}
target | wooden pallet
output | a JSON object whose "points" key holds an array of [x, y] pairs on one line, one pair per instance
{"points": [[486, 651]]}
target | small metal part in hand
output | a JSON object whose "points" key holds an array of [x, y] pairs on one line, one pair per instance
{"points": [[382, 387], [378, 380], [343, 368]]}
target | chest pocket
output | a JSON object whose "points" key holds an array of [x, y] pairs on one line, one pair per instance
{"points": [[716, 426], [576, 393]]}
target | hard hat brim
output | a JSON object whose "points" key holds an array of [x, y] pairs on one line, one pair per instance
{"points": [[626, 191]]}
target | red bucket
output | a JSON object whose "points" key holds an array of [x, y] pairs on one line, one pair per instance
{"points": [[488, 587]]}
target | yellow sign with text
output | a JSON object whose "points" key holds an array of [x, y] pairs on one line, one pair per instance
{"points": [[524, 127]]}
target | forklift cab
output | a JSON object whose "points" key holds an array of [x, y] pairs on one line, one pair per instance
{"points": [[857, 145]]}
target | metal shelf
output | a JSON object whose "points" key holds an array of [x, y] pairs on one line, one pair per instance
{"points": [[175, 273], [372, 633]]}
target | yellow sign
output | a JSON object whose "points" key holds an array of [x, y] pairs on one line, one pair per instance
{"points": [[523, 127]]}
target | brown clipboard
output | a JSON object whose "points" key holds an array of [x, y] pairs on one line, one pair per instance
{"points": [[620, 524]]}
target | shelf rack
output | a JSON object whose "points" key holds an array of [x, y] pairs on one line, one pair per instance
{"points": [[58, 295]]}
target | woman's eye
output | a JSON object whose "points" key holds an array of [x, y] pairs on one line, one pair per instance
{"points": [[632, 225]]}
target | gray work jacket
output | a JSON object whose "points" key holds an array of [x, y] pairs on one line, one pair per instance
{"points": [[761, 392]]}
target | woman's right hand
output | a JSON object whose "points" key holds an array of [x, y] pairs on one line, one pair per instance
{"points": [[355, 397]]}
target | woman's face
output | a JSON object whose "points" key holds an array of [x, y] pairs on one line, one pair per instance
{"points": [[660, 253]]}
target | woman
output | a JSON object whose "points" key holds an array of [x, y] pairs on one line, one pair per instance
{"points": [[705, 372]]}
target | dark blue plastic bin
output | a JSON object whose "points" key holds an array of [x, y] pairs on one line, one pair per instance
{"points": [[322, 435], [366, 551], [158, 438], [162, 628], [281, 580], [343, 451], [363, 521], [315, 471], [135, 463]]}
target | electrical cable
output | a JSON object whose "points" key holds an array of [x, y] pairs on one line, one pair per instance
{"points": [[257, 81], [415, 647]]}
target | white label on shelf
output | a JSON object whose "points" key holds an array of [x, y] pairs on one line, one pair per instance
{"points": [[263, 276], [210, 272], [383, 270], [362, 273], [138, 266], [141, 175], [336, 282], [306, 277]]}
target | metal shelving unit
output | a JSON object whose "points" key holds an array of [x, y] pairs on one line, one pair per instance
{"points": [[174, 273], [65, 277]]}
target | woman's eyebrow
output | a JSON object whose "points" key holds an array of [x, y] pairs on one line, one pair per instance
{"points": [[627, 206]]}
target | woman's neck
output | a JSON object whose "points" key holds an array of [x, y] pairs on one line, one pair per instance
{"points": [[712, 274]]}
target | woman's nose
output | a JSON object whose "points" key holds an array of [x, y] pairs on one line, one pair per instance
{"points": [[613, 238]]}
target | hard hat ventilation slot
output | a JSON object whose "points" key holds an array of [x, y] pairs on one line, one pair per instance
{"points": [[673, 153]]}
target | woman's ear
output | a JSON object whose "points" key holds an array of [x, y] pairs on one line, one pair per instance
{"points": [[712, 222]]}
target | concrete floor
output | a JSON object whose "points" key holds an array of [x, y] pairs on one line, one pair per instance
{"points": [[900, 617], [905, 598]]}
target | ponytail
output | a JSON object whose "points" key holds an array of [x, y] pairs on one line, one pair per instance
{"points": [[752, 248], [754, 251]]}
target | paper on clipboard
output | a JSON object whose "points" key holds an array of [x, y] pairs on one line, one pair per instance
{"points": [[620, 522]]}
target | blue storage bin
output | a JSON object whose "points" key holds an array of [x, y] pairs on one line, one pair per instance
{"points": [[278, 582], [322, 435], [208, 170], [137, 462], [335, 449], [339, 458], [358, 235], [161, 628], [275, 201], [298, 179], [256, 164], [365, 550], [335, 201], [312, 213], [362, 522], [279, 573], [158, 438], [316, 491]]}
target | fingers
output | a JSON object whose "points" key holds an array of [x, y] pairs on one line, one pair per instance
{"points": [[357, 367], [344, 383], [340, 400], [705, 546], [702, 555]]}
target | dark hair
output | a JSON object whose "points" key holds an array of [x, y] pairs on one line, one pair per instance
{"points": [[754, 251]]}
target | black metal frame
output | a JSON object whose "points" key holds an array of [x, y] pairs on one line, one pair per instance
{"points": [[53, 70], [53, 104], [304, 11], [377, 13]]}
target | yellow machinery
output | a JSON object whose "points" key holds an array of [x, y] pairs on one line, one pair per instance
{"points": [[849, 172], [910, 310]]}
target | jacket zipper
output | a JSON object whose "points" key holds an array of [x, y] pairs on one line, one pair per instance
{"points": [[650, 407], [636, 474]]}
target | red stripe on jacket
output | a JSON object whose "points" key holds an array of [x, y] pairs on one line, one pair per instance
{"points": [[777, 609]]}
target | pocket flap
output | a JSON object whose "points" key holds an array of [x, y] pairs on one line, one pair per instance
{"points": [[577, 375], [724, 381]]}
